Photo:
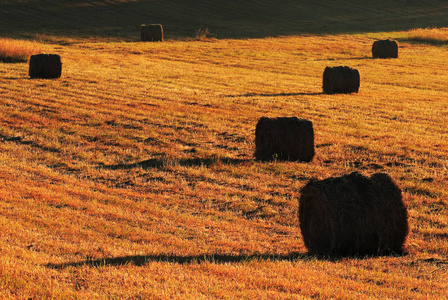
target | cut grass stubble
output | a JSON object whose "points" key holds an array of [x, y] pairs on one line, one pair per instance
{"points": [[158, 164]]}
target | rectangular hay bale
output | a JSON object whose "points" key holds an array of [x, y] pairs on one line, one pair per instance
{"points": [[284, 139], [151, 33], [45, 66], [340, 80], [385, 49], [353, 215]]}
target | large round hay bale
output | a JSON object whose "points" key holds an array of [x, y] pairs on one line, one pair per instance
{"points": [[340, 80], [353, 215], [45, 66], [385, 49], [284, 139], [151, 33]]}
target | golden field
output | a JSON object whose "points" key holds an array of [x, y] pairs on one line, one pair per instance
{"points": [[132, 176]]}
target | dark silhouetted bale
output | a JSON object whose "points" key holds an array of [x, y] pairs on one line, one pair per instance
{"points": [[385, 49], [340, 80], [45, 66], [152, 33], [353, 215], [284, 139]]}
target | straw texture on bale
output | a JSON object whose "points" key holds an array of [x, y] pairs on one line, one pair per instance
{"points": [[385, 49], [151, 33], [284, 139], [340, 80], [353, 215], [45, 66]]}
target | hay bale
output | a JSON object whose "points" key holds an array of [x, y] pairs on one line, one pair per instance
{"points": [[340, 80], [151, 33], [284, 139], [353, 215], [385, 49], [45, 66]]}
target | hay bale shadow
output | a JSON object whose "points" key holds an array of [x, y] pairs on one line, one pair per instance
{"points": [[353, 215], [185, 162], [273, 95], [140, 260]]}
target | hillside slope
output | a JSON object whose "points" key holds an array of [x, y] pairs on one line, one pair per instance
{"points": [[226, 19]]}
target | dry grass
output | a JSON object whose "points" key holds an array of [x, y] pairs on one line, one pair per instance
{"points": [[17, 50], [133, 175], [435, 36], [134, 178]]}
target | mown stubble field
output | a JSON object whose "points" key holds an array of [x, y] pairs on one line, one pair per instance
{"points": [[132, 176]]}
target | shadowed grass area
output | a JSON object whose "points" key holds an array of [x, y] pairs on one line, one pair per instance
{"points": [[140, 260], [157, 163], [429, 41], [120, 20]]}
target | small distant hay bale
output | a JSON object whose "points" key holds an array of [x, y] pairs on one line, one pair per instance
{"points": [[151, 33], [45, 66], [385, 49], [284, 139], [353, 215], [340, 80]]}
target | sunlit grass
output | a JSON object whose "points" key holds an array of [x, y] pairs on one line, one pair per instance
{"points": [[133, 177], [17, 50], [435, 36]]}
